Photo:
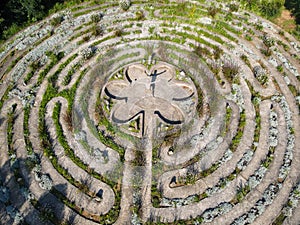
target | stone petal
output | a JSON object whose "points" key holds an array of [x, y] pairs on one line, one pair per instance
{"points": [[124, 112], [164, 71], [136, 72], [170, 114], [116, 89], [163, 108], [181, 91]]}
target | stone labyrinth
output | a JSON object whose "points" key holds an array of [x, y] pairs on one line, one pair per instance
{"points": [[154, 112]]}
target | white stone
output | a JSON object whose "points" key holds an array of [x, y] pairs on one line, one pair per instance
{"points": [[205, 20]]}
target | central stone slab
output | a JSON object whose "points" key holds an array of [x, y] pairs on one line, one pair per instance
{"points": [[141, 93]]}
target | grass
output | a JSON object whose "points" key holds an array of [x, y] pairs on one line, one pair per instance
{"points": [[279, 68], [39, 207], [33, 68], [13, 63], [5, 95], [54, 58], [10, 126], [279, 219], [50, 93], [28, 143], [266, 51], [67, 79], [246, 60], [237, 138], [227, 119], [293, 90], [219, 27], [230, 70], [242, 191]]}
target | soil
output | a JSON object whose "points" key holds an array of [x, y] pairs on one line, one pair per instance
{"points": [[286, 20]]}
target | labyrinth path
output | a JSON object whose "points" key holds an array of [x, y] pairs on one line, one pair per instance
{"points": [[157, 112]]}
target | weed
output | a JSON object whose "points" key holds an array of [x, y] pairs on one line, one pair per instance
{"points": [[202, 51], [97, 30], [230, 70], [213, 11], [139, 15], [95, 18], [118, 32], [233, 7], [279, 68], [266, 51], [56, 20]]}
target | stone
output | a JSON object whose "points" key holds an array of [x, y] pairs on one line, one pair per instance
{"points": [[205, 20]]}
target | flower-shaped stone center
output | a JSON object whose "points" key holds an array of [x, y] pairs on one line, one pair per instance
{"points": [[150, 93]]}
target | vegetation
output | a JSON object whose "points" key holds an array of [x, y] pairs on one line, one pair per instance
{"points": [[237, 138], [241, 192], [125, 4], [294, 7], [271, 9], [202, 51], [14, 14], [227, 119], [267, 8], [213, 11], [230, 70], [10, 126]]}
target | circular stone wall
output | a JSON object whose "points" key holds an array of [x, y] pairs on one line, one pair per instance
{"points": [[160, 114]]}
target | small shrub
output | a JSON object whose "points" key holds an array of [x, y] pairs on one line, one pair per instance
{"points": [[56, 20], [218, 53], [230, 70], [124, 4], [268, 41], [47, 213], [259, 26], [202, 51], [215, 68], [250, 31], [228, 16], [119, 32], [281, 32], [285, 46], [95, 18], [248, 37], [271, 9], [97, 30], [233, 7], [242, 191], [140, 15], [279, 68], [293, 91], [213, 11], [246, 60], [266, 51], [35, 65], [86, 38]]}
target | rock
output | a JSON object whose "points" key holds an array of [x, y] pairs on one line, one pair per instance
{"points": [[124, 4], [46, 182], [273, 61], [4, 194], [80, 136], [205, 20]]}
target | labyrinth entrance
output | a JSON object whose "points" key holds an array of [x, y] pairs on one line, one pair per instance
{"points": [[159, 113]]}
